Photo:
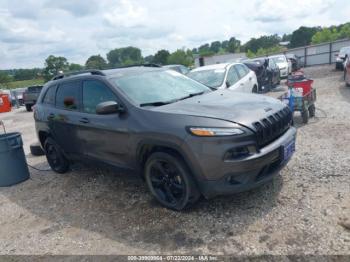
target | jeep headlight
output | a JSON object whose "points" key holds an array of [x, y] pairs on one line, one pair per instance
{"points": [[215, 131]]}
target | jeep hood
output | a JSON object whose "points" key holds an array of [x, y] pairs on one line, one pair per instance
{"points": [[241, 108]]}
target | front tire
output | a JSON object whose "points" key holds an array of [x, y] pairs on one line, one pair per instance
{"points": [[170, 182], [55, 157], [346, 78], [29, 108]]}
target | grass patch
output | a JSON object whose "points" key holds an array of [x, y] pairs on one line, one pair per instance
{"points": [[23, 83]]}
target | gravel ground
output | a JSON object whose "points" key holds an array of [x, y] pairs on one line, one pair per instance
{"points": [[305, 210]]}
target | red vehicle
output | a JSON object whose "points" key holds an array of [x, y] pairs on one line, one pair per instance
{"points": [[347, 71]]}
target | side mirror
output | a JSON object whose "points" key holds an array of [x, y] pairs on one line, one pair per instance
{"points": [[109, 107], [228, 84]]}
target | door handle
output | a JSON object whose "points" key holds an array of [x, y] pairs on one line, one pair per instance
{"points": [[250, 78], [242, 84], [84, 120], [51, 116]]}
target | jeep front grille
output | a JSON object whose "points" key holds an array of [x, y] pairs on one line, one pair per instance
{"points": [[270, 128]]}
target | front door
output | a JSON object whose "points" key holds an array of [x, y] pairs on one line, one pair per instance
{"points": [[105, 137]]}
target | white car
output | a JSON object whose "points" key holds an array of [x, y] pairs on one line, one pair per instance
{"points": [[233, 76], [341, 57], [284, 64]]}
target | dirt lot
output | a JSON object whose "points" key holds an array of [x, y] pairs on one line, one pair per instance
{"points": [[99, 212]]}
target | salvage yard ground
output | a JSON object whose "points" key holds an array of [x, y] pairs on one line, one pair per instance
{"points": [[305, 210]]}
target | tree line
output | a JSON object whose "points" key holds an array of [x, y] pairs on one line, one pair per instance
{"points": [[125, 56]]}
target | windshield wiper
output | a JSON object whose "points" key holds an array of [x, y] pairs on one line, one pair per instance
{"points": [[158, 103], [162, 103], [192, 95]]}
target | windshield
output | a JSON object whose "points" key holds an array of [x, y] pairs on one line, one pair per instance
{"points": [[279, 59], [159, 87], [212, 77]]}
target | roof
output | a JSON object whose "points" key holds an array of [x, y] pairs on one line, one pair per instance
{"points": [[123, 71], [213, 67], [119, 72]]}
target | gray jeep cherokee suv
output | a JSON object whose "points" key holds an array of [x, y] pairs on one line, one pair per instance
{"points": [[184, 138]]}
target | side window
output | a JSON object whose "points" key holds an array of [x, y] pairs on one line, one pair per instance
{"points": [[69, 96], [49, 98], [95, 92], [232, 76], [241, 70], [247, 70]]}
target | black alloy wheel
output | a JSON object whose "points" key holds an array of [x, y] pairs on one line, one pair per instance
{"points": [[169, 181], [54, 156]]}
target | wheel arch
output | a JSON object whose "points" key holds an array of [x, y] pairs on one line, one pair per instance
{"points": [[147, 147]]}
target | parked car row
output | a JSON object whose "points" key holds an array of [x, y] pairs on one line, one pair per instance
{"points": [[23, 96]]}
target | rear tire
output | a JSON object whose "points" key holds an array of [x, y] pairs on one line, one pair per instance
{"points": [[29, 108], [255, 89], [170, 181], [55, 157]]}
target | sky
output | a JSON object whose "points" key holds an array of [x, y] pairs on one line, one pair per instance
{"points": [[31, 30]]}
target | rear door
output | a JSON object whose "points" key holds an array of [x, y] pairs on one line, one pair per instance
{"points": [[65, 118], [233, 80], [246, 80], [105, 137]]}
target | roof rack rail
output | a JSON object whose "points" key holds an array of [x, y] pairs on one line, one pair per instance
{"points": [[145, 65], [91, 71]]}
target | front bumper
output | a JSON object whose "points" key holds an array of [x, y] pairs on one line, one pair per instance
{"points": [[235, 176]]}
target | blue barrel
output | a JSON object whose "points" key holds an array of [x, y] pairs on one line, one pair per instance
{"points": [[13, 164]]}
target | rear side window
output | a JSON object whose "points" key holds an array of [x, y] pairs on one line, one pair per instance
{"points": [[49, 97], [94, 93], [241, 70], [69, 96]]}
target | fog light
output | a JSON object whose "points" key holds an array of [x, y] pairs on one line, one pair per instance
{"points": [[238, 152]]}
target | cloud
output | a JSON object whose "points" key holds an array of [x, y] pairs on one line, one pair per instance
{"points": [[31, 30], [127, 14], [76, 8]]}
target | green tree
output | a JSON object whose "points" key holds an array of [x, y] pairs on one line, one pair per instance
{"points": [[302, 36], [161, 57], [224, 44], [233, 45], [96, 62], [149, 59], [124, 56], [54, 65], [344, 31], [4, 78], [215, 46], [250, 54], [26, 74], [325, 35], [180, 57], [75, 67], [264, 42]]}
